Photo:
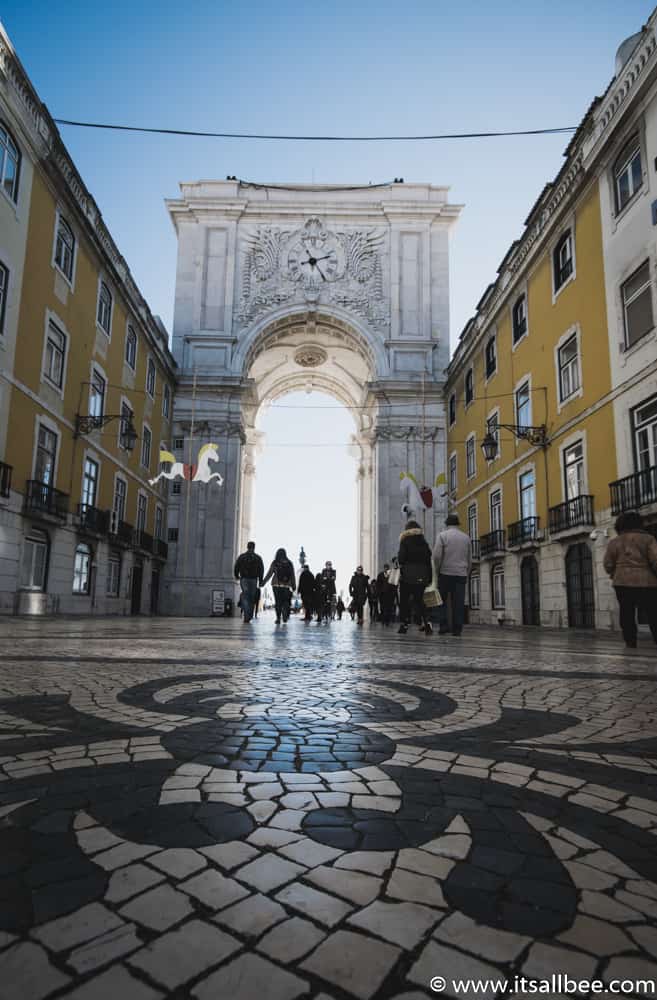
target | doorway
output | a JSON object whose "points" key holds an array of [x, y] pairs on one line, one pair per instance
{"points": [[531, 604], [155, 591], [135, 597], [579, 586]]}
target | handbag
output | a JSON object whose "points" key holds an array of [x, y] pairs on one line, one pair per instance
{"points": [[393, 576], [431, 596]]}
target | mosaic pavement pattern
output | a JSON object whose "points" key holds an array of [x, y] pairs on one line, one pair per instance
{"points": [[207, 810]]}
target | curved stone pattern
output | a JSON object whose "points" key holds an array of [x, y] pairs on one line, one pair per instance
{"points": [[299, 813]]}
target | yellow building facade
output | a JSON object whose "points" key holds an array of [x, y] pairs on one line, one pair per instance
{"points": [[530, 380], [87, 386]]}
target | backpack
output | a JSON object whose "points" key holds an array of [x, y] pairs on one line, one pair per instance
{"points": [[250, 565], [284, 572]]}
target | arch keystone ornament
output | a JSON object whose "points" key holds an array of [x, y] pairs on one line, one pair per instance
{"points": [[275, 283]]}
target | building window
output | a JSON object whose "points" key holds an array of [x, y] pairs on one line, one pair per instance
{"points": [[493, 428], [470, 458], [491, 357], [637, 305], [146, 448], [46, 454], [4, 285], [124, 423], [89, 483], [53, 366], [65, 248], [452, 412], [527, 489], [142, 503], [473, 522], [474, 591], [628, 175], [176, 488], [119, 502], [178, 444], [452, 473], [166, 402], [563, 260], [469, 386], [34, 564], [113, 574], [497, 585], [573, 470], [150, 377], [97, 394], [645, 434], [131, 348], [496, 510], [523, 406], [159, 522], [82, 569], [568, 368], [173, 535], [10, 162], [104, 316], [519, 318]]}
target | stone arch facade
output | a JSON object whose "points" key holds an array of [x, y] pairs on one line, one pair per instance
{"points": [[344, 290]]}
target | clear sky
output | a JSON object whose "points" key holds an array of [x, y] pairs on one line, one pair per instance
{"points": [[345, 67]]}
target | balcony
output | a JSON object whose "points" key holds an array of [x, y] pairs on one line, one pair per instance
{"points": [[91, 520], [42, 500], [160, 548], [122, 533], [492, 543], [5, 479], [476, 549], [634, 491], [144, 541], [575, 513], [524, 532]]}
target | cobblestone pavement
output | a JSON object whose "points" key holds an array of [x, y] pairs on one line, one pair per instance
{"points": [[212, 810]]}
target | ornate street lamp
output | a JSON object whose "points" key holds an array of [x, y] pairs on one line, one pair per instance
{"points": [[535, 435], [85, 423]]}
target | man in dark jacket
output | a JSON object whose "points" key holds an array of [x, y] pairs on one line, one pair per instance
{"points": [[249, 570], [387, 595], [358, 591], [416, 573], [307, 592]]}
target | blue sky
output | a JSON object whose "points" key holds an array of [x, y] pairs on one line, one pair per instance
{"points": [[337, 68]]}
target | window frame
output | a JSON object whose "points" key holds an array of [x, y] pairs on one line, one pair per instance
{"points": [[567, 446], [141, 519], [560, 280], [494, 491], [118, 478], [497, 574], [130, 334], [158, 523], [108, 300], [452, 479], [42, 422], [474, 583], [525, 382], [451, 410], [492, 340], [82, 591], [471, 453], [97, 373], [166, 401], [495, 430], [172, 535], [62, 223], [88, 460], [36, 537], [113, 559], [468, 387], [524, 489], [570, 335], [151, 370], [146, 443], [5, 142], [639, 427], [46, 363], [647, 286], [516, 336], [620, 167], [125, 405]]}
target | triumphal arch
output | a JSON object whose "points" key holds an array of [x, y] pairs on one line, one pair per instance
{"points": [[281, 287]]}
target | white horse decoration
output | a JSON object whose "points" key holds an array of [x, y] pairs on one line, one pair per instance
{"points": [[419, 497], [199, 473]]}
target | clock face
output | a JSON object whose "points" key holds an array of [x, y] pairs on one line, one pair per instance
{"points": [[315, 259]]}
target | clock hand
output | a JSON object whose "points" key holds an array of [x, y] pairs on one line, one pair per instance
{"points": [[322, 274], [325, 257]]}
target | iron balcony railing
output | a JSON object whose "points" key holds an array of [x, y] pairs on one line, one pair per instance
{"points": [[524, 530], [5, 479], [476, 549], [160, 548], [144, 541], [92, 519], [574, 513], [40, 498], [492, 542], [634, 491], [121, 531]]}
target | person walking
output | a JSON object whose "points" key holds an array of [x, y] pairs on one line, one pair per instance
{"points": [[387, 592], [307, 592], [631, 561], [373, 600], [340, 608], [249, 570], [452, 555], [283, 582], [320, 597], [415, 576], [358, 591]]}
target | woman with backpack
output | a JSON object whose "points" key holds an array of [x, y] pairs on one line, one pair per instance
{"points": [[416, 572], [283, 582]]}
